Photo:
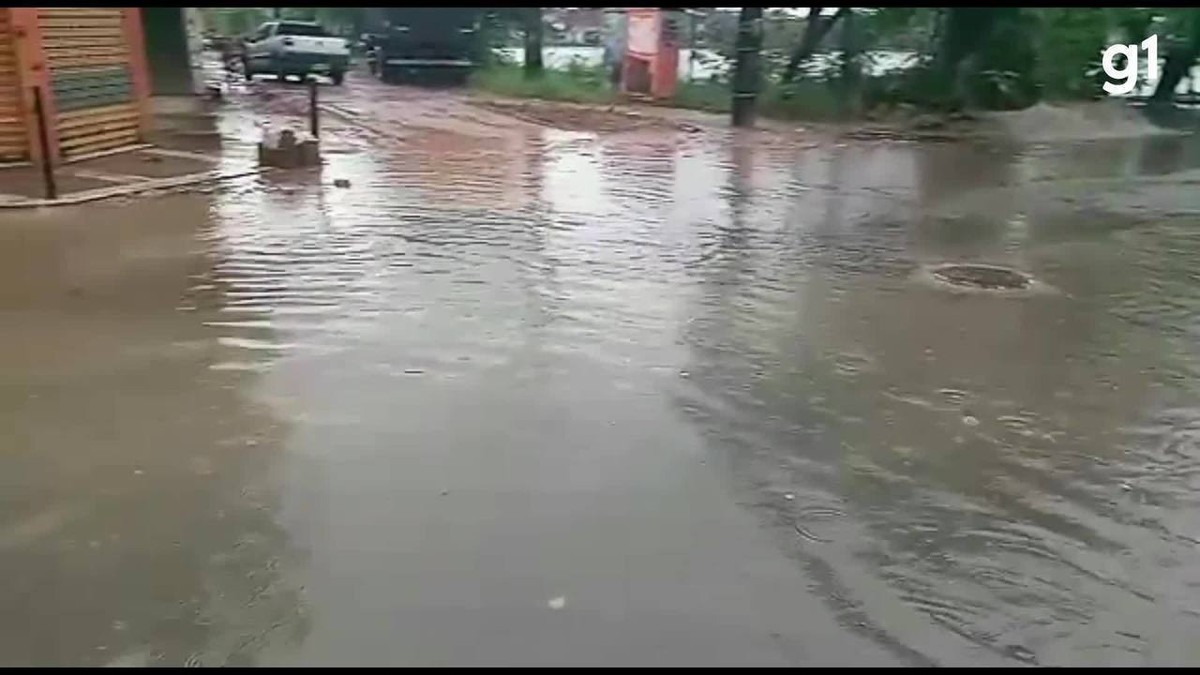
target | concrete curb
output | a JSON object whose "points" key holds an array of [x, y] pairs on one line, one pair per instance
{"points": [[129, 189]]}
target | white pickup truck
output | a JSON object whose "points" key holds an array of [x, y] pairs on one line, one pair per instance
{"points": [[295, 48]]}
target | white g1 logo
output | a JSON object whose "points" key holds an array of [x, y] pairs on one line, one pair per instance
{"points": [[1129, 72]]}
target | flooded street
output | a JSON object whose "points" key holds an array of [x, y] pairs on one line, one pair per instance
{"points": [[527, 396]]}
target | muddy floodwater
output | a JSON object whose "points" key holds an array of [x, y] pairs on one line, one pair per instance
{"points": [[520, 395]]}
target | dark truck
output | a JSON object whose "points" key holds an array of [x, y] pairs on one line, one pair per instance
{"points": [[426, 45]]}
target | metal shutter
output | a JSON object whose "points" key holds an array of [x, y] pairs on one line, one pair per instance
{"points": [[14, 144], [88, 54]]}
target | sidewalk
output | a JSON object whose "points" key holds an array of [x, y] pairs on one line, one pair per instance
{"points": [[124, 172]]}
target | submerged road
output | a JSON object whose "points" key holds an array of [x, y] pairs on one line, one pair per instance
{"points": [[526, 395]]}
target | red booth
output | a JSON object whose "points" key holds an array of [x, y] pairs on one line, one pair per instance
{"points": [[651, 65]]}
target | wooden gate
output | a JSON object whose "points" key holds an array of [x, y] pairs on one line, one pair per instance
{"points": [[87, 52], [14, 143]]}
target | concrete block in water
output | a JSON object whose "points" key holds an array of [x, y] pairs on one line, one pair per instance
{"points": [[285, 151], [309, 150]]}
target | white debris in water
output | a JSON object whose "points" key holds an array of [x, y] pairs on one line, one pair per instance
{"points": [[138, 472], [789, 496], [557, 603], [271, 137], [970, 421]]}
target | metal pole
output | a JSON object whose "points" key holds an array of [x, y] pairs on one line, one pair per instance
{"points": [[313, 123], [44, 145]]}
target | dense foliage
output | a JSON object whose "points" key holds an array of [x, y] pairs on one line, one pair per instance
{"points": [[990, 57]]}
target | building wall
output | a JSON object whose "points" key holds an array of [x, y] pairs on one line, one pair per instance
{"points": [[14, 143], [168, 51], [88, 67], [193, 22]]}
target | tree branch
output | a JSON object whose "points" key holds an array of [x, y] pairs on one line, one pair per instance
{"points": [[815, 30]]}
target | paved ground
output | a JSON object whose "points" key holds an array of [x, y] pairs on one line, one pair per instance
{"points": [[666, 396], [102, 173]]}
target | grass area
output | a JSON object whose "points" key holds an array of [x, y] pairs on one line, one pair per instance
{"points": [[578, 84]]}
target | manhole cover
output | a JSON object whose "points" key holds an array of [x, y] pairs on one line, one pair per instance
{"points": [[988, 277]]}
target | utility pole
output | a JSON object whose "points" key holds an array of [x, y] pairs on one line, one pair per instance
{"points": [[746, 77]]}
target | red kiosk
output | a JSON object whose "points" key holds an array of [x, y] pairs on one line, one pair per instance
{"points": [[651, 65]]}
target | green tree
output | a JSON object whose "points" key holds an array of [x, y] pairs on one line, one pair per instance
{"points": [[344, 20], [816, 27], [1070, 42], [1181, 54]]}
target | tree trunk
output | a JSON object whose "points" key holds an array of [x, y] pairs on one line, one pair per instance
{"points": [[851, 68], [815, 30], [533, 42], [746, 66], [959, 60], [1179, 61]]}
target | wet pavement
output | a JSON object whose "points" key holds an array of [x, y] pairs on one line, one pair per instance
{"points": [[99, 177], [521, 395]]}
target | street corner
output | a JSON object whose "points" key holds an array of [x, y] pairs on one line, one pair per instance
{"points": [[105, 175]]}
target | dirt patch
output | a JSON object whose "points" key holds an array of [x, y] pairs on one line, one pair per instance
{"points": [[1044, 123], [875, 133], [905, 124], [1041, 123], [579, 117]]}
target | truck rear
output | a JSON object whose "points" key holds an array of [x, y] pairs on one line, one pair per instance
{"points": [[429, 45]]}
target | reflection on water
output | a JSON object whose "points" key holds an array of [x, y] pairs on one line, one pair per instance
{"points": [[1009, 470], [501, 367], [137, 522]]}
